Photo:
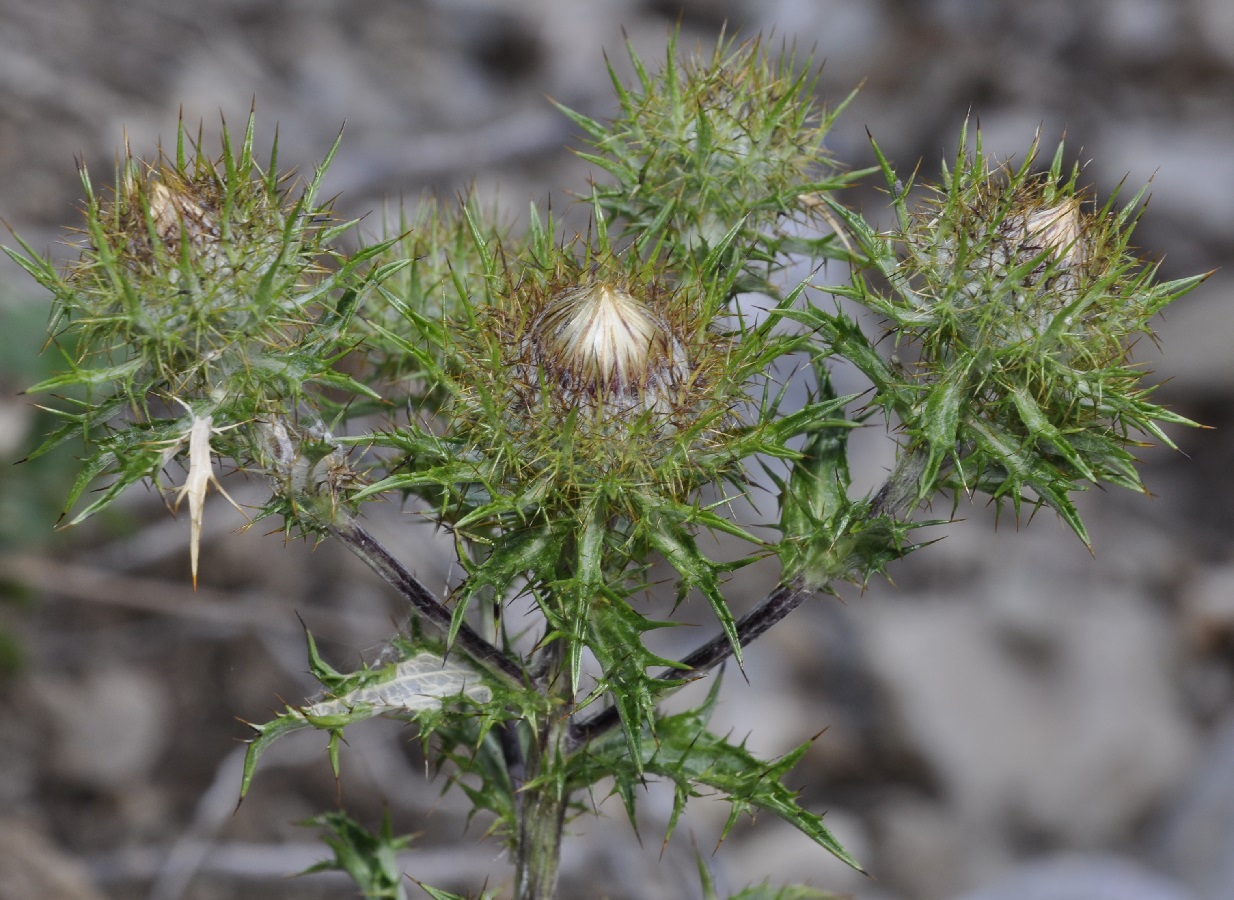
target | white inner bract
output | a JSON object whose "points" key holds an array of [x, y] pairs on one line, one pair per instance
{"points": [[600, 340]]}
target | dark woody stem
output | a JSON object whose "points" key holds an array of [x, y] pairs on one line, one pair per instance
{"points": [[898, 494], [381, 561], [778, 604]]}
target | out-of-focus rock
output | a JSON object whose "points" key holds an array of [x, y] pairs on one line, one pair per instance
{"points": [[1196, 337], [107, 728], [33, 868], [1080, 877], [1207, 603], [1148, 31], [1215, 21], [1066, 724], [782, 853], [1197, 841], [851, 38], [928, 851], [1133, 149]]}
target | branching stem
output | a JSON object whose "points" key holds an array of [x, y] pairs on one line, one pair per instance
{"points": [[381, 561], [896, 497]]}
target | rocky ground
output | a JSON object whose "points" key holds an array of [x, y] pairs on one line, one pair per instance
{"points": [[1013, 718]]}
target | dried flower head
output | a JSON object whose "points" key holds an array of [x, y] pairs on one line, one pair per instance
{"points": [[165, 220], [192, 266], [585, 371], [201, 280], [597, 343], [619, 362], [997, 264]]}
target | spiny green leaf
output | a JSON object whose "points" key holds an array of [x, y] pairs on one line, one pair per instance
{"points": [[1039, 425], [371, 860], [615, 636], [81, 375], [1024, 468], [940, 420], [694, 759], [418, 686], [665, 530]]}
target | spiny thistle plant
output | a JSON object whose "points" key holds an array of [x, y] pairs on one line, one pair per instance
{"points": [[576, 408]]}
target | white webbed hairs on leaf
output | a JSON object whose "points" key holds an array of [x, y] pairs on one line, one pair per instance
{"points": [[421, 682]]}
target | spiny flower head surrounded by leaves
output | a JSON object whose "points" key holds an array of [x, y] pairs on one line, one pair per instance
{"points": [[206, 299], [623, 372], [576, 372], [1022, 302], [589, 399], [193, 270], [700, 148]]}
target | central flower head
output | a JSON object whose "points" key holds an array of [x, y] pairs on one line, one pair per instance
{"points": [[590, 373], [597, 342]]}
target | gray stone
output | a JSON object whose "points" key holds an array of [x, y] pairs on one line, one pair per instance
{"points": [[107, 729], [1067, 724], [34, 868], [775, 849], [1198, 837], [1069, 877], [1148, 30], [1215, 21], [929, 851], [1184, 167]]}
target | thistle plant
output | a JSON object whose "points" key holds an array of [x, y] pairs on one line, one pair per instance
{"points": [[573, 409]]}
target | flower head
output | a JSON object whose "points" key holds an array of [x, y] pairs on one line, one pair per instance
{"points": [[615, 368], [572, 377], [704, 147], [597, 343], [201, 280], [1024, 301]]}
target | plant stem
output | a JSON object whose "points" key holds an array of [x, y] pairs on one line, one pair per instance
{"points": [[543, 799], [902, 491], [778, 604], [542, 814], [898, 495], [385, 564]]}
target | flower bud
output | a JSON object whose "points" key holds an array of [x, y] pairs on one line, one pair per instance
{"points": [[176, 213], [1053, 233]]}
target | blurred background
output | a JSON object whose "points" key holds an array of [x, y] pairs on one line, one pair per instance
{"points": [[1012, 718]]}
